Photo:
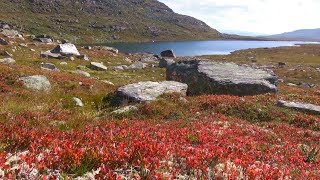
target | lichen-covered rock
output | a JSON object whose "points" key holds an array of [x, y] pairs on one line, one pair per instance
{"points": [[149, 91], [310, 108], [138, 65], [36, 82], [210, 77], [82, 73], [48, 54], [66, 49], [124, 110]]}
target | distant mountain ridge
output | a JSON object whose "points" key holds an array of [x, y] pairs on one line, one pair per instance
{"points": [[299, 35], [104, 20]]}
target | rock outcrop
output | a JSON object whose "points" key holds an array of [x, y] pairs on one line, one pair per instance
{"points": [[163, 63], [210, 77], [149, 91]]}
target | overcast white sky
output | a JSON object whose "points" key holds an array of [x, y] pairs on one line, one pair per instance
{"points": [[255, 16]]}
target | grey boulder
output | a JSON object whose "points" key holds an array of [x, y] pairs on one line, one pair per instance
{"points": [[66, 49], [49, 54], [82, 73], [36, 82], [149, 91], [210, 77], [310, 108], [138, 65]]}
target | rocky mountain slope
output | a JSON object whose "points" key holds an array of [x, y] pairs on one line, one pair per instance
{"points": [[103, 20], [299, 35]]}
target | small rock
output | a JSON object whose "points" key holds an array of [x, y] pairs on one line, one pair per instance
{"points": [[138, 65], [10, 33], [84, 57], [82, 73], [87, 47], [32, 50], [3, 42], [66, 49], [5, 53], [111, 49], [108, 82], [7, 61], [71, 58], [310, 108], [168, 53], [49, 66], [63, 63], [44, 40], [78, 102], [36, 82], [291, 84], [23, 45], [125, 109], [98, 66], [281, 64]]}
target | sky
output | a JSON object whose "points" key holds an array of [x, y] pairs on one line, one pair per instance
{"points": [[252, 17]]}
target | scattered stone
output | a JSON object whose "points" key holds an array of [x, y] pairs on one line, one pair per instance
{"points": [[87, 47], [84, 57], [98, 66], [36, 82], [23, 45], [163, 63], [128, 60], [292, 85], [63, 63], [49, 66], [66, 49], [149, 91], [7, 61], [71, 58], [138, 65], [210, 77], [307, 85], [168, 53], [78, 102], [310, 108], [3, 42], [82, 73], [149, 58], [32, 50], [108, 82], [44, 40], [106, 48], [125, 109], [10, 33], [48, 54], [64, 41], [117, 68]]}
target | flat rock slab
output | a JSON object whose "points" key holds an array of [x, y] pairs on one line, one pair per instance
{"points": [[149, 91], [7, 61], [36, 82], [210, 77], [310, 108], [98, 66]]}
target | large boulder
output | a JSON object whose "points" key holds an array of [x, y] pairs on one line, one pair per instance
{"points": [[168, 53], [36, 82], [149, 91], [309, 108], [210, 77], [66, 49]]}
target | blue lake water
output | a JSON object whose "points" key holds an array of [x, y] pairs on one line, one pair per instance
{"points": [[198, 48]]}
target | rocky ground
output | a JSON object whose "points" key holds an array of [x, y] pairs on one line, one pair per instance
{"points": [[92, 112]]}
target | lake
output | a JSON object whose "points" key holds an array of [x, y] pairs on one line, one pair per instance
{"points": [[198, 48]]}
